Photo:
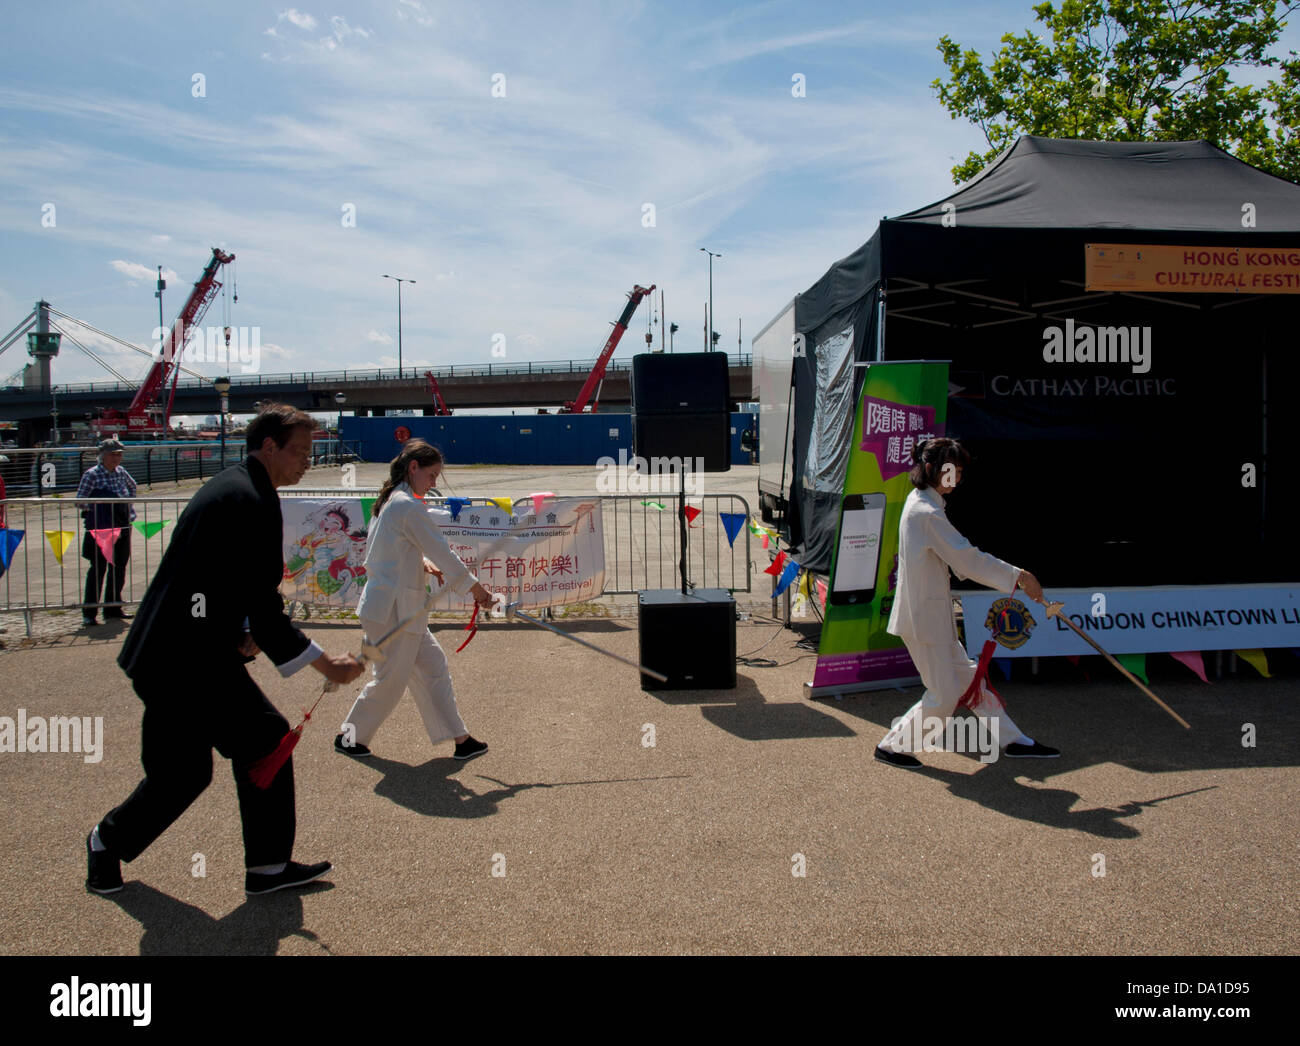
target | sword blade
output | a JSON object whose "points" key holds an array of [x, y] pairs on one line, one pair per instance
{"points": [[1135, 680], [591, 646]]}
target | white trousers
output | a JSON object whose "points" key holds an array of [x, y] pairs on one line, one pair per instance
{"points": [[415, 662], [946, 672]]}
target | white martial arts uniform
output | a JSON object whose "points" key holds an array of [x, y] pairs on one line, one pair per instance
{"points": [[922, 615], [401, 536]]}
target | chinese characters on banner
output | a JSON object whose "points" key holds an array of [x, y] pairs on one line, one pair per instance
{"points": [[891, 431]]}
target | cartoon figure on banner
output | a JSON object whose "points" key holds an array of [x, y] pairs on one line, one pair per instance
{"points": [[331, 553]]}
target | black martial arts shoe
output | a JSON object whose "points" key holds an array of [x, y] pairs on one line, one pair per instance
{"points": [[294, 874], [469, 748], [355, 750], [901, 759], [1034, 751], [103, 870]]}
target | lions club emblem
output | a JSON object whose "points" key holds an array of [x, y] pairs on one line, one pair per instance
{"points": [[1010, 622]]}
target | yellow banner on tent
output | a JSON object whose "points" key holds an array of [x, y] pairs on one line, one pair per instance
{"points": [[59, 541]]}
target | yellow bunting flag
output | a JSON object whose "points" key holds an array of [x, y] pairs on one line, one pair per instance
{"points": [[1256, 660], [506, 505], [59, 541]]}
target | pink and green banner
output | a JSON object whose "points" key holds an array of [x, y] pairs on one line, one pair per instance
{"points": [[901, 404]]}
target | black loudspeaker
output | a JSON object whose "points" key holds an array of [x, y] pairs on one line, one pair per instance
{"points": [[691, 639], [680, 408]]}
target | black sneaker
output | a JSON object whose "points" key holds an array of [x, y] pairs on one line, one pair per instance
{"points": [[1034, 751], [355, 750], [103, 870], [469, 748], [899, 759], [294, 874]]}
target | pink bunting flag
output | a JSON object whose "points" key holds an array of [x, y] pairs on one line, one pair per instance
{"points": [[1193, 660], [821, 592], [764, 540], [539, 500], [106, 538]]}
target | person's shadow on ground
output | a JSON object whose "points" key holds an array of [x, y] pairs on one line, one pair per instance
{"points": [[256, 927], [432, 790]]}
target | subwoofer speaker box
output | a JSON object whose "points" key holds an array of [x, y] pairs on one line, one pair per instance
{"points": [[691, 639], [680, 408]]}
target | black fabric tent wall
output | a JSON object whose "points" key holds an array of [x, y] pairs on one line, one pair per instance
{"points": [[1085, 488]]}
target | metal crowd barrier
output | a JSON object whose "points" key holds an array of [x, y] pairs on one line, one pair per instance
{"points": [[51, 470], [641, 546]]}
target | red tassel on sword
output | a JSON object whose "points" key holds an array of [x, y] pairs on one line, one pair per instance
{"points": [[264, 771]]}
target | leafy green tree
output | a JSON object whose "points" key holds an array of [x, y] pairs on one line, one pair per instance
{"points": [[1136, 70]]}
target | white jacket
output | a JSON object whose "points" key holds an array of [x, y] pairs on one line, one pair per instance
{"points": [[927, 546], [400, 537]]}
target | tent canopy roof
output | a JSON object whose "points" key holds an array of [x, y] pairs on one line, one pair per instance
{"points": [[1051, 183]]}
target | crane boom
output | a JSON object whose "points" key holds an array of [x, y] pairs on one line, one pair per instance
{"points": [[597, 375]]}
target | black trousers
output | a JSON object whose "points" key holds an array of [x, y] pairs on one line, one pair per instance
{"points": [[183, 722], [103, 575]]}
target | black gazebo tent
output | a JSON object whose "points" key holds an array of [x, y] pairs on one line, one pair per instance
{"points": [[1087, 473]]}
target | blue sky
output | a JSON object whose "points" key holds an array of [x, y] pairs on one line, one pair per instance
{"points": [[519, 215]]}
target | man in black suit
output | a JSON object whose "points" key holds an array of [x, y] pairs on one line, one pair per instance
{"points": [[213, 603]]}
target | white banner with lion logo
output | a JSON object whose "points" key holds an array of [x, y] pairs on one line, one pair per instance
{"points": [[540, 555]]}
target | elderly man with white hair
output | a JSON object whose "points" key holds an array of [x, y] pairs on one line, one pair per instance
{"points": [[107, 479]]}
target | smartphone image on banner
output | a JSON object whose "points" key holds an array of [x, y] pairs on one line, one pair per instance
{"points": [[862, 522]]}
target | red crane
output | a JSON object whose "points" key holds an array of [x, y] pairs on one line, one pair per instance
{"points": [[147, 416], [440, 407], [597, 374]]}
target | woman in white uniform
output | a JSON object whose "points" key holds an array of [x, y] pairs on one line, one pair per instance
{"points": [[922, 613], [404, 537]]}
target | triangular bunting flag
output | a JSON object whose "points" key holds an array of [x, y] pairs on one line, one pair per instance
{"points": [[9, 542], [821, 592], [691, 514], [805, 585], [788, 575], [1004, 666], [106, 538], [59, 541], [1135, 663], [1193, 660], [731, 523], [1074, 660], [655, 504], [754, 528], [367, 506], [454, 505], [774, 568], [764, 539], [506, 505], [1257, 660], [150, 529], [539, 500]]}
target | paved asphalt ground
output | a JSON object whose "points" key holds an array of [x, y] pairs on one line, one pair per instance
{"points": [[611, 845]]}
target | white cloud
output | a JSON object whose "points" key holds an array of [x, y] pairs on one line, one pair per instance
{"points": [[381, 338], [302, 21], [136, 271], [160, 237], [413, 9]]}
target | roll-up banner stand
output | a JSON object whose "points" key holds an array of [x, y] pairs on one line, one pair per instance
{"points": [[902, 403]]}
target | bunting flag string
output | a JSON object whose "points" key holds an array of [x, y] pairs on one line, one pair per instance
{"points": [[59, 541], [731, 523], [1257, 660], [9, 542], [1193, 660], [506, 505], [106, 538], [774, 568], [539, 500], [656, 505]]}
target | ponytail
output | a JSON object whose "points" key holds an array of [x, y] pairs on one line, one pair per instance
{"points": [[398, 469]]}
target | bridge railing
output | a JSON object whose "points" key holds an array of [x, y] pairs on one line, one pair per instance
{"points": [[47, 571], [365, 376]]}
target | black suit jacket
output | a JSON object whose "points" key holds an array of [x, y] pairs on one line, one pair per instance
{"points": [[228, 548]]}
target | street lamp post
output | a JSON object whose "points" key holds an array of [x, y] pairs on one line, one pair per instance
{"points": [[222, 385], [400, 280], [708, 335]]}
